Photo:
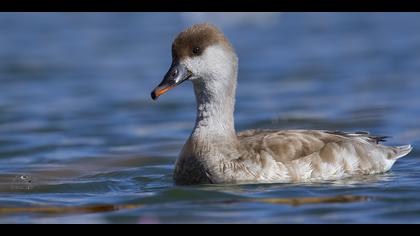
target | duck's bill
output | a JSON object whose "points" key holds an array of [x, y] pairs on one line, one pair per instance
{"points": [[175, 76]]}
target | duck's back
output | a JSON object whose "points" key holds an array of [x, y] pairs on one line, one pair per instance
{"points": [[303, 155]]}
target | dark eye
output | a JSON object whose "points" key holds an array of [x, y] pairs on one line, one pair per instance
{"points": [[196, 50]]}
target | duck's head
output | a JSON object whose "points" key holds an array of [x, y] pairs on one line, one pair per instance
{"points": [[200, 53]]}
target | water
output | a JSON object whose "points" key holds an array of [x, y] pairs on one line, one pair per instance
{"points": [[78, 128]]}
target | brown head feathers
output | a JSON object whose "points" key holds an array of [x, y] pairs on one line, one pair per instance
{"points": [[194, 40]]}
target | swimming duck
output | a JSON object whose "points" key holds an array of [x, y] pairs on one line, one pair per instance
{"points": [[215, 154]]}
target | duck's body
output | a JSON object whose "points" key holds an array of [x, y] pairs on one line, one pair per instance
{"points": [[268, 156], [215, 153]]}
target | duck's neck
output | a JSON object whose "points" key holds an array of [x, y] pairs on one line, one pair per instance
{"points": [[215, 106]]}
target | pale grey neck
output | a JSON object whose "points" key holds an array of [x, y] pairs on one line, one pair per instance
{"points": [[215, 107]]}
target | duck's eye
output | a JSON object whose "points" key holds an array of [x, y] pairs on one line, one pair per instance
{"points": [[196, 50]]}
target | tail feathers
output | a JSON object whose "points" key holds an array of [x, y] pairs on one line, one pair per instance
{"points": [[401, 151]]}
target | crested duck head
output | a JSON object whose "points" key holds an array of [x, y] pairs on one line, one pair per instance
{"points": [[203, 55]]}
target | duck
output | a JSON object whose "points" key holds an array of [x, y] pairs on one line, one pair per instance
{"points": [[215, 153]]}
